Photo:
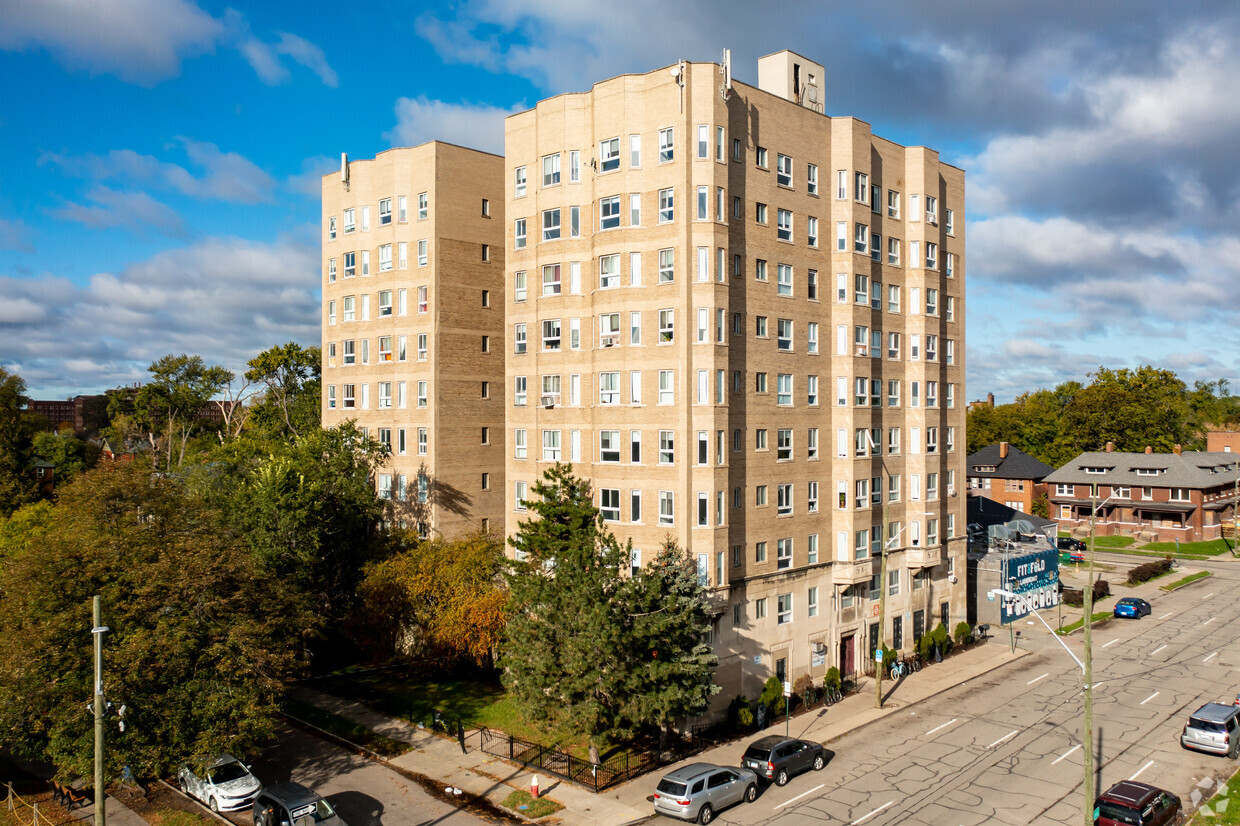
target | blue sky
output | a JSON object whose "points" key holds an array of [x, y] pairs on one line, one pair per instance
{"points": [[159, 191]]}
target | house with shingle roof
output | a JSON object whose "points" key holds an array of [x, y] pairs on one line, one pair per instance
{"points": [[1007, 474], [1154, 497]]}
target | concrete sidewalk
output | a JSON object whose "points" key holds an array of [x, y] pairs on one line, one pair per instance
{"points": [[489, 777]]}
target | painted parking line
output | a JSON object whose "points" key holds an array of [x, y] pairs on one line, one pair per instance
{"points": [[1210, 620], [1159, 648], [1143, 768], [1007, 736], [1112, 642], [945, 725], [1147, 699], [871, 814], [1065, 754], [1169, 613], [1035, 679], [798, 797], [1207, 596], [1212, 656]]}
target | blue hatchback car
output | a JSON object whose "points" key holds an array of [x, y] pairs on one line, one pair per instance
{"points": [[1134, 607]]}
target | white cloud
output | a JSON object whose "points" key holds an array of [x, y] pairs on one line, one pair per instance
{"points": [[133, 210], [223, 298], [225, 176], [145, 41], [15, 235], [476, 127]]}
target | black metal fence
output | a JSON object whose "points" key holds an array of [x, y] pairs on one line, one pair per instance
{"points": [[559, 763]]}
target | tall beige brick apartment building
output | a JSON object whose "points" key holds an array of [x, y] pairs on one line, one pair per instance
{"points": [[413, 327], [743, 321]]}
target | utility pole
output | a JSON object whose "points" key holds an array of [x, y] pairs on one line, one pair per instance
{"points": [[1087, 734], [882, 575], [97, 631]]}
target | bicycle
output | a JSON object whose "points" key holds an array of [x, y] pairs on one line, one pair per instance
{"points": [[915, 661], [832, 696], [897, 670]]}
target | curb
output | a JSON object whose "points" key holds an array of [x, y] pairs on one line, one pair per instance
{"points": [[1175, 586]]}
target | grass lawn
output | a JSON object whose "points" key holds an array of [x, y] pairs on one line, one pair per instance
{"points": [[520, 801], [341, 727], [1223, 809], [1171, 586], [1112, 541], [1212, 548], [1101, 616]]}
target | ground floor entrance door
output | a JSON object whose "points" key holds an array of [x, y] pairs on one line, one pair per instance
{"points": [[848, 656]]}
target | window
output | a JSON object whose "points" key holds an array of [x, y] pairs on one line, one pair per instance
{"points": [[520, 391], [666, 507], [551, 445], [667, 210], [519, 287], [551, 170], [783, 170], [760, 383], [666, 326], [893, 583], [811, 232], [861, 238], [422, 441], [1179, 495], [760, 213], [861, 188], [609, 154], [783, 389], [551, 224], [422, 254], [811, 179], [759, 608], [760, 439], [932, 210], [609, 212], [423, 205], [350, 264], [609, 388], [609, 504], [519, 191], [385, 211], [421, 347], [666, 140], [783, 229], [350, 220], [385, 302], [783, 604]]}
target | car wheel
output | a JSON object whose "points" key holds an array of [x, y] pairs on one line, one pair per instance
{"points": [[213, 804], [707, 814], [751, 793], [819, 763], [1235, 748], [781, 779]]}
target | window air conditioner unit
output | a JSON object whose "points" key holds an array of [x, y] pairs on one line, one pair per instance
{"points": [[610, 341], [551, 400], [862, 350]]}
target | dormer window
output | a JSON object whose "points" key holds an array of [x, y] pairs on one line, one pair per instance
{"points": [[1095, 470]]}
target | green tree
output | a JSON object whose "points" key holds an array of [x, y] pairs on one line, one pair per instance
{"points": [[290, 374], [69, 454], [563, 656], [201, 639], [169, 408], [16, 485], [670, 669]]}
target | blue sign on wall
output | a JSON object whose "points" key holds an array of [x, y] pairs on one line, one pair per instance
{"points": [[1035, 576]]}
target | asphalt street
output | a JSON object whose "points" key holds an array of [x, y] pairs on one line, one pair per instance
{"points": [[363, 792], [1006, 748]]}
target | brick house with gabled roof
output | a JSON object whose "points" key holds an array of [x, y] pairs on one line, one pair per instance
{"points": [[1007, 474], [1155, 497]]}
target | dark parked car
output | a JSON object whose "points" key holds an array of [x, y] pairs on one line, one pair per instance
{"points": [[697, 791], [1134, 607], [286, 803], [1129, 803], [1067, 543], [778, 758]]}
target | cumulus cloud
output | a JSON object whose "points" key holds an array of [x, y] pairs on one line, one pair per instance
{"points": [[146, 41], [223, 298], [477, 127]]}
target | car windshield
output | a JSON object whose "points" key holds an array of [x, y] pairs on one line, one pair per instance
{"points": [[1205, 725], [675, 788], [323, 810], [757, 753], [228, 772]]}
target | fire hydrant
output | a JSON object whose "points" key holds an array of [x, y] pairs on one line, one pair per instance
{"points": [[534, 787]]}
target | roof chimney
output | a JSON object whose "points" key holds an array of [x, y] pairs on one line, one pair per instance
{"points": [[990, 399], [1148, 450], [1003, 450], [1110, 447], [1176, 450]]}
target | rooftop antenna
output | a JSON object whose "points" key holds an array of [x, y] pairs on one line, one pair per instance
{"points": [[725, 69], [344, 170], [678, 75]]}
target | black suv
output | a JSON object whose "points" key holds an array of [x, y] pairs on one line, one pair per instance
{"points": [[292, 804], [777, 758], [1067, 543], [1129, 803]]}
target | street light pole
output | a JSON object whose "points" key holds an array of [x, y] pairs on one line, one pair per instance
{"points": [[884, 480], [1087, 735]]}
